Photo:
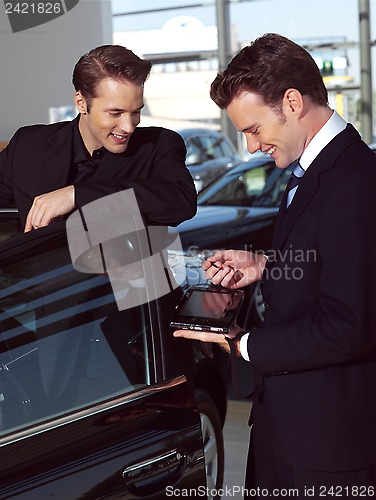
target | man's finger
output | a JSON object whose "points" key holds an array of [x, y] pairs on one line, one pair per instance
{"points": [[206, 265], [28, 223], [28, 227], [222, 276]]}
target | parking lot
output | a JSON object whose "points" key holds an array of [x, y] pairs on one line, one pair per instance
{"points": [[236, 436]]}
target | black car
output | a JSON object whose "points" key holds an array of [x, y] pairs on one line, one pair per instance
{"points": [[209, 154], [97, 402]]}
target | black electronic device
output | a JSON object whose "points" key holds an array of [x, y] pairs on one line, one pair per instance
{"points": [[208, 308]]}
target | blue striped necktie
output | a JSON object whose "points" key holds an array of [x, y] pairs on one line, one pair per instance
{"points": [[293, 183]]}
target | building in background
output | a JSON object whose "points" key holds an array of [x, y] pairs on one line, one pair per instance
{"points": [[37, 64], [184, 56]]}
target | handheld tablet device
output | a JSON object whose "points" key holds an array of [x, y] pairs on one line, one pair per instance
{"points": [[207, 308]]}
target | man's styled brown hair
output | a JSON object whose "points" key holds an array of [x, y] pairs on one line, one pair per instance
{"points": [[268, 67], [108, 61]]}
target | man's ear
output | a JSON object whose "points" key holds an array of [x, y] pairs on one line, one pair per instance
{"points": [[293, 101], [80, 102]]}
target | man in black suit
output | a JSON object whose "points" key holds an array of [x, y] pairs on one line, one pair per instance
{"points": [[314, 359], [49, 170]]}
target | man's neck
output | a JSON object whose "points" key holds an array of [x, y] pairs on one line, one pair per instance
{"points": [[315, 119]]}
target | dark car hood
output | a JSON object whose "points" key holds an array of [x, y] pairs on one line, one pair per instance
{"points": [[217, 226]]}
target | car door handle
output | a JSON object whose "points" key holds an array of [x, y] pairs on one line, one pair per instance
{"points": [[155, 474]]}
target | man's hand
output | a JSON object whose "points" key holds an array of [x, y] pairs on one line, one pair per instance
{"points": [[216, 338], [48, 206], [234, 268]]}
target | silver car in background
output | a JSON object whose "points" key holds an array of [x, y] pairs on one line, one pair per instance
{"points": [[209, 155]]}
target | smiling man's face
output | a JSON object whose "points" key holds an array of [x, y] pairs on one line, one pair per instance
{"points": [[274, 133], [112, 116]]}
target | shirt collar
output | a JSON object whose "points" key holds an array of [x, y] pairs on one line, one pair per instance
{"points": [[332, 127], [80, 153]]}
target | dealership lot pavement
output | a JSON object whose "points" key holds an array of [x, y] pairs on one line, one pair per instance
{"points": [[236, 435]]}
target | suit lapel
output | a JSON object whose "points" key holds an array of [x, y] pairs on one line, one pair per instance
{"points": [[288, 217], [309, 185]]}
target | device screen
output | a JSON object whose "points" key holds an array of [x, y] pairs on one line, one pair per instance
{"points": [[207, 304]]}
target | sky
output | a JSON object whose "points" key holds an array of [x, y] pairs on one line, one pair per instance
{"points": [[296, 19]]}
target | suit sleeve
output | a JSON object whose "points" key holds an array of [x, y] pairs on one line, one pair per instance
{"points": [[342, 329], [162, 184], [6, 174]]}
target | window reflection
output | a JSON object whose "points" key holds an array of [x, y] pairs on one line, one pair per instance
{"points": [[64, 344], [261, 186]]}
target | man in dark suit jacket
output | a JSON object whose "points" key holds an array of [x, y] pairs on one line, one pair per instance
{"points": [[49, 170], [313, 413]]}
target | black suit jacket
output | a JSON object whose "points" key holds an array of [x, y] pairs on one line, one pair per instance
{"points": [[38, 160], [316, 352]]}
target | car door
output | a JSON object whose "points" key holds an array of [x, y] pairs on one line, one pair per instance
{"points": [[9, 222], [85, 408]]}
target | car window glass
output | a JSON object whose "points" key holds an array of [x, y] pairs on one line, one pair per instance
{"points": [[195, 151], [64, 344], [192, 147], [227, 149], [261, 186], [278, 185], [212, 146], [243, 189]]}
